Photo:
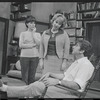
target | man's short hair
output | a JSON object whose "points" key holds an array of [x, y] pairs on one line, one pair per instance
{"points": [[29, 19], [86, 46]]}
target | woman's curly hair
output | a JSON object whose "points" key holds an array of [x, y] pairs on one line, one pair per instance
{"points": [[64, 21]]}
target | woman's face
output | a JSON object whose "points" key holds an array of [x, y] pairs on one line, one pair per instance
{"points": [[57, 23], [31, 25]]}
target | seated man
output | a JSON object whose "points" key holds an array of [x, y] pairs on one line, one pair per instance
{"points": [[75, 77]]}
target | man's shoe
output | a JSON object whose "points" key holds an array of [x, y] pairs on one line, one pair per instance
{"points": [[1, 83]]}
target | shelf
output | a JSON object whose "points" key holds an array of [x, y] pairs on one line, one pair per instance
{"points": [[18, 3], [13, 44], [19, 19], [72, 36], [79, 36], [88, 19], [83, 2], [71, 28], [16, 39], [24, 10], [71, 19], [90, 10]]}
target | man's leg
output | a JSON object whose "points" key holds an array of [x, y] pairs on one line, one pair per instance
{"points": [[55, 92], [32, 90]]}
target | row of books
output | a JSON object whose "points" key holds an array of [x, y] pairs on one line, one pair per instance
{"points": [[92, 15], [88, 6]]}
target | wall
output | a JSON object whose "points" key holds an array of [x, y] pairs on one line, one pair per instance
{"points": [[5, 13], [42, 10], [5, 9], [10, 33]]}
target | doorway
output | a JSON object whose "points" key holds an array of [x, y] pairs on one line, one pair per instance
{"points": [[3, 43], [93, 36]]}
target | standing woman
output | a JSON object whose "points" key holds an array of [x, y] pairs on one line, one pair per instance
{"points": [[54, 46], [29, 43]]}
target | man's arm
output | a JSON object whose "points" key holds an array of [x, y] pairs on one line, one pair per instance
{"points": [[53, 75], [57, 76], [70, 84]]}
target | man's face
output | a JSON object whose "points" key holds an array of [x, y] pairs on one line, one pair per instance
{"points": [[76, 49]]}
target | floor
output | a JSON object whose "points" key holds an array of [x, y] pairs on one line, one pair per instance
{"points": [[91, 93]]}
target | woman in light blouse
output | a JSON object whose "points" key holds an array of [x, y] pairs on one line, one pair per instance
{"points": [[29, 43], [54, 46]]}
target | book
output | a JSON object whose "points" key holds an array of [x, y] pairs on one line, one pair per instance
{"points": [[93, 5], [96, 5], [79, 7]]}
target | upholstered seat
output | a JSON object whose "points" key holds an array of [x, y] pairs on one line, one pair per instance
{"points": [[15, 71]]}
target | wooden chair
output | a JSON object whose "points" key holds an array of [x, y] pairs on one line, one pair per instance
{"points": [[96, 62]]}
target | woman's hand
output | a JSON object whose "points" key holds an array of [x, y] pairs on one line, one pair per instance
{"points": [[44, 76], [41, 64], [63, 67], [50, 82]]}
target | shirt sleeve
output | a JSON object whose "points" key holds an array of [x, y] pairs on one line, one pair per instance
{"points": [[66, 46], [41, 53], [84, 74]]}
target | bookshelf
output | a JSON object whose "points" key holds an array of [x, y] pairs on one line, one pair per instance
{"points": [[73, 28], [87, 12], [19, 10]]}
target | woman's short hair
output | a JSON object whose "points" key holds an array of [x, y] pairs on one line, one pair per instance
{"points": [[59, 15], [29, 19], [86, 46]]}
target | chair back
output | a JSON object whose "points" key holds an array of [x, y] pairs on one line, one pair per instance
{"points": [[96, 62]]}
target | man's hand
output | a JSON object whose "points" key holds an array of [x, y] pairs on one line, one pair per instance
{"points": [[50, 82], [45, 76]]}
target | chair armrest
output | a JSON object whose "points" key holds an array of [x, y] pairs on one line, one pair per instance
{"points": [[65, 88], [12, 66], [70, 89]]}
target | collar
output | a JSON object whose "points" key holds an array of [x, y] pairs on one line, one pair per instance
{"points": [[81, 59], [48, 32]]}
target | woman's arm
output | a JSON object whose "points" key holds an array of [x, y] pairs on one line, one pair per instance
{"points": [[23, 45], [41, 49], [37, 38], [66, 46]]}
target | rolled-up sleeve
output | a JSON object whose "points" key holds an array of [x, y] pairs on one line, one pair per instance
{"points": [[83, 75]]}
